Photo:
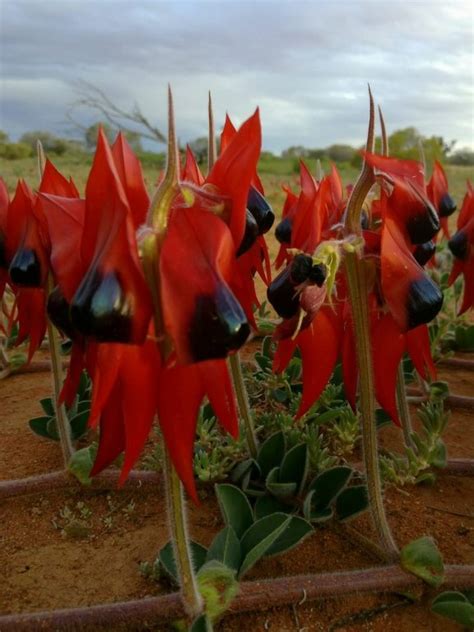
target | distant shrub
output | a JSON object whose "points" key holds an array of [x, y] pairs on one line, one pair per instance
{"points": [[463, 157], [15, 151]]}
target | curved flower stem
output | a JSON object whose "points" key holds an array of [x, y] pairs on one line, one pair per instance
{"points": [[358, 293], [403, 409], [192, 600], [234, 360], [151, 247], [244, 405], [62, 421], [358, 296]]}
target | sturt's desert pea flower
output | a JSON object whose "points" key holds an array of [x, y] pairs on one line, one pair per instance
{"points": [[462, 246]]}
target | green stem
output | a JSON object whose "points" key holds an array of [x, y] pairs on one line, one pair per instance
{"points": [[176, 507], [63, 425], [243, 402], [151, 248], [403, 409], [356, 278]]}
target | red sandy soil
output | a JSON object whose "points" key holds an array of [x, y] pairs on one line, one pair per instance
{"points": [[45, 568]]}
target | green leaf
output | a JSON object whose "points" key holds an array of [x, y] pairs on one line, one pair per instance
{"points": [[243, 468], [225, 548], [267, 347], [278, 489], [259, 538], [439, 390], [52, 428], [351, 502], [47, 406], [294, 467], [39, 425], [271, 453], [328, 485], [84, 405], [81, 464], [168, 565], [422, 558], [295, 532], [267, 505], [235, 508], [79, 425], [439, 455], [201, 624], [454, 605], [464, 337], [321, 515]]}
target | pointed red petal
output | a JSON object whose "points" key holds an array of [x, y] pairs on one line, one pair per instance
{"points": [[388, 345], [234, 169], [112, 433], [319, 344], [218, 386], [191, 171], [419, 349], [180, 393], [131, 176]]}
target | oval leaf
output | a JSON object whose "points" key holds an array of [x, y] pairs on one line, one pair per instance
{"points": [[328, 485], [39, 425], [278, 489], [294, 466], [351, 502], [267, 505], [296, 531], [271, 453], [422, 558], [225, 548], [259, 538], [235, 508], [168, 564]]}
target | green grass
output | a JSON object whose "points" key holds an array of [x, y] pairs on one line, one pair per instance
{"points": [[274, 172]]}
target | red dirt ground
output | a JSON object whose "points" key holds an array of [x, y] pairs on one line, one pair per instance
{"points": [[45, 568]]}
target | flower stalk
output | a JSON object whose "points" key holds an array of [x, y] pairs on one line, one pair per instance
{"points": [[357, 280], [62, 421], [151, 246], [235, 364]]}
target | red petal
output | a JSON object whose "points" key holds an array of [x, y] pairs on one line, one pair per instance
{"points": [[419, 349], [220, 391], [319, 344], [131, 176], [191, 171], [112, 433], [234, 169], [388, 345], [180, 393]]}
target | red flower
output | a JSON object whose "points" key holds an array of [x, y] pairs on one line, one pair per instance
{"points": [[462, 247], [438, 192]]}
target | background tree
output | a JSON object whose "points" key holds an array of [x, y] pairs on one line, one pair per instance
{"points": [[130, 121]]}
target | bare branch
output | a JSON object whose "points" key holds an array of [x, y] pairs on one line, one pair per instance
{"points": [[90, 96]]}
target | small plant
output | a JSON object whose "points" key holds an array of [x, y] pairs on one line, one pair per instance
{"points": [[78, 414], [428, 450], [457, 606]]}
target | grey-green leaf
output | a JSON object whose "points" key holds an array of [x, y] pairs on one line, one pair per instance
{"points": [[328, 485], [422, 558], [295, 532], [235, 508], [259, 538], [351, 502], [294, 466], [168, 565], [225, 548], [271, 453], [267, 505], [275, 487]]}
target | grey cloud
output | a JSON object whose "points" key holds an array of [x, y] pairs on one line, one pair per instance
{"points": [[306, 63]]}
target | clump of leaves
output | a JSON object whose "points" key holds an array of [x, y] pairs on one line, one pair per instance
{"points": [[457, 606], [78, 414], [428, 450], [215, 453]]}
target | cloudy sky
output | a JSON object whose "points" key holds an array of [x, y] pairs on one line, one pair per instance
{"points": [[306, 64]]}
